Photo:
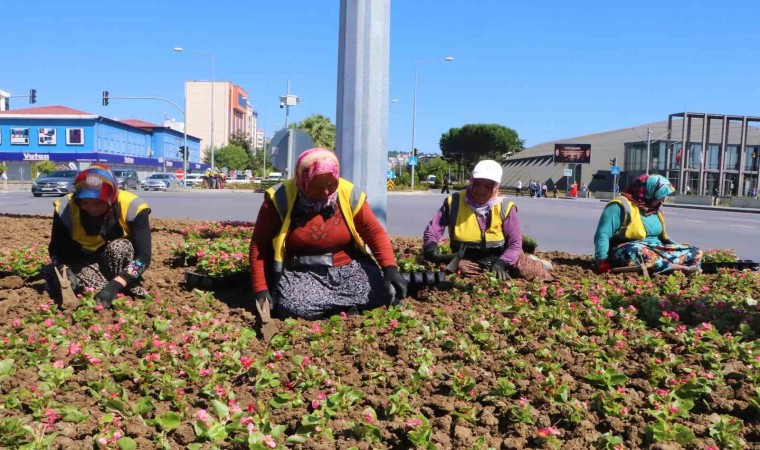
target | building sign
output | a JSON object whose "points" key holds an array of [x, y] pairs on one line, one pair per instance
{"points": [[36, 157], [240, 99], [572, 153], [19, 136], [74, 136], [46, 136]]}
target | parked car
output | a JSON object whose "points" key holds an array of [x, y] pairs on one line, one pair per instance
{"points": [[240, 179], [161, 182], [275, 176], [127, 179], [258, 180], [59, 182], [193, 179]]}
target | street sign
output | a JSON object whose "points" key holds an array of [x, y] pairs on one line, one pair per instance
{"points": [[615, 170], [390, 174], [568, 172], [391, 185], [179, 173], [412, 161]]}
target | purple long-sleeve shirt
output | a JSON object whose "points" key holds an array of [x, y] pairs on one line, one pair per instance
{"points": [[510, 228]]}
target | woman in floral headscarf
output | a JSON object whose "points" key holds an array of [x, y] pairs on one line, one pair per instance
{"points": [[308, 254], [631, 231]]}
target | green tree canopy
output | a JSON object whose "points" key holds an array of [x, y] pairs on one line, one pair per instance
{"points": [[242, 139], [231, 157], [474, 142], [320, 129]]}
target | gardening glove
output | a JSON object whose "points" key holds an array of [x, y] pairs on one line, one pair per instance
{"points": [[108, 293], [394, 278], [68, 273], [604, 266], [500, 270], [264, 304], [432, 253]]}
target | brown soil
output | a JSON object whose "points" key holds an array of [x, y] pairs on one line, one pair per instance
{"points": [[377, 369]]}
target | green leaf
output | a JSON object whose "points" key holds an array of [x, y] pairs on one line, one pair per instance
{"points": [[169, 421], [143, 406], [220, 409], [126, 443], [682, 435], [216, 432], [116, 404], [297, 439], [6, 368], [71, 413]]}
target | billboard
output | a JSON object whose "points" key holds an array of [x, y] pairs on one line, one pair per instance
{"points": [[572, 153]]}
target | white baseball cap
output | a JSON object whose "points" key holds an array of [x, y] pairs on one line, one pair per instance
{"points": [[489, 170]]}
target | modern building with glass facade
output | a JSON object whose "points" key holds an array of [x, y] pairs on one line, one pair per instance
{"points": [[722, 151], [68, 136]]}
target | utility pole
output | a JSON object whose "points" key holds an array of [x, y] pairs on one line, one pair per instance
{"points": [[649, 145]]}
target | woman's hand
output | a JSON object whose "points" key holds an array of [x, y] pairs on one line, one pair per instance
{"points": [[393, 278], [469, 268], [603, 266]]}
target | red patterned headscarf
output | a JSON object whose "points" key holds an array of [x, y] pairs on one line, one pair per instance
{"points": [[96, 182], [315, 161]]}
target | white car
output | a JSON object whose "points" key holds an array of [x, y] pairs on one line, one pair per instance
{"points": [[240, 179], [193, 179], [161, 182]]}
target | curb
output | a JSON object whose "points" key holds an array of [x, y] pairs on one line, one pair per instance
{"points": [[708, 208]]}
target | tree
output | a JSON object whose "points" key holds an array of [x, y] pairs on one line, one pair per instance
{"points": [[435, 166], [321, 130], [242, 139], [474, 142], [231, 157], [42, 167]]}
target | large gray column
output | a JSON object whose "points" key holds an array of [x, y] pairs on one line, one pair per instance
{"points": [[361, 139]]}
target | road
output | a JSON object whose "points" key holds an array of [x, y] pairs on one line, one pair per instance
{"points": [[557, 224]]}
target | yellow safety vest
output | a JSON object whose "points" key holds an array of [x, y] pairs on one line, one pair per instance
{"points": [[632, 228], [283, 196], [128, 207], [464, 227]]}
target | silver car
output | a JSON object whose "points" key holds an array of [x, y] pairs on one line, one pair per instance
{"points": [[59, 182], [161, 182]]}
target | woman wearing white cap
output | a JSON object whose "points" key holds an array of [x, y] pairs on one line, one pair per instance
{"points": [[484, 228]]}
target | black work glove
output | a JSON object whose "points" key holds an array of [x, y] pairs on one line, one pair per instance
{"points": [[264, 297], [108, 293], [500, 270], [69, 273], [393, 277], [431, 252]]}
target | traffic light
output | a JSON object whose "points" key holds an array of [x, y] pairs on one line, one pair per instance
{"points": [[105, 98], [613, 162], [181, 150], [32, 96]]}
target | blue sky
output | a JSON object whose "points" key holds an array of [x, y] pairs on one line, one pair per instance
{"points": [[549, 69]]}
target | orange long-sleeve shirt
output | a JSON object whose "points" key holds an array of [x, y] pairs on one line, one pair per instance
{"points": [[318, 236]]}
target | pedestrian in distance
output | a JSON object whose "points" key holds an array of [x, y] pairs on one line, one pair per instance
{"points": [[102, 235], [715, 196], [584, 190], [4, 179], [544, 191], [308, 254], [555, 190], [518, 189], [445, 186], [484, 228], [631, 231]]}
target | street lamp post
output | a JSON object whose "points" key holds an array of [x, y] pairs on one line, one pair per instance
{"points": [[414, 106], [286, 101], [213, 79]]}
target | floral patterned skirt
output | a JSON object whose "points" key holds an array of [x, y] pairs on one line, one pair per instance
{"points": [[657, 256]]}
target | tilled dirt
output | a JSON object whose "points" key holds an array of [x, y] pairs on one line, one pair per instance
{"points": [[384, 363]]}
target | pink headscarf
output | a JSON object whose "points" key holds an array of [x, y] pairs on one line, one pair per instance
{"points": [[315, 161]]}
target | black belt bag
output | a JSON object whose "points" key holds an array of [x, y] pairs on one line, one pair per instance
{"points": [[310, 261]]}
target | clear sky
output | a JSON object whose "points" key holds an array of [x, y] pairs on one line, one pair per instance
{"points": [[549, 69]]}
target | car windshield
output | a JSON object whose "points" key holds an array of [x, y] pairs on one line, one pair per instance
{"points": [[120, 173], [63, 174], [159, 176]]}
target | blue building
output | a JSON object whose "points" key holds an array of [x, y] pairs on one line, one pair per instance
{"points": [[65, 135]]}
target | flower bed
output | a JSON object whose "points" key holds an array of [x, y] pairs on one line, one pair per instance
{"points": [[24, 261], [216, 250]]}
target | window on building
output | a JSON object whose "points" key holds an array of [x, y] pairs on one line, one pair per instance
{"points": [[693, 181], [713, 157], [731, 184], [732, 157], [675, 155], [750, 185], [751, 158], [74, 136], [695, 156], [711, 182]]}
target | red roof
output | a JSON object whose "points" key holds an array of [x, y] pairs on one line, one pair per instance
{"points": [[140, 123], [49, 110]]}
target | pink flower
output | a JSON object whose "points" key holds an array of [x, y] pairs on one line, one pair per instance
{"points": [[547, 432], [203, 416], [58, 364], [16, 323], [246, 362], [368, 417], [523, 402], [315, 328], [102, 441], [413, 423], [674, 409], [49, 323], [152, 357], [343, 315], [662, 392], [74, 348], [204, 372], [98, 308], [269, 441], [43, 307]]}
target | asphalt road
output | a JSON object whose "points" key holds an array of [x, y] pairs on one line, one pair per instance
{"points": [[557, 224]]}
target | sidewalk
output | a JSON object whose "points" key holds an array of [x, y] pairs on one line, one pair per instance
{"points": [[707, 208]]}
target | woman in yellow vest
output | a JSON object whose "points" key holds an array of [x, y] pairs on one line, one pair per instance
{"points": [[308, 254], [484, 229], [631, 231], [103, 237]]}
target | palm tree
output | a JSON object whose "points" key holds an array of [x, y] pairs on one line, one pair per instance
{"points": [[320, 129]]}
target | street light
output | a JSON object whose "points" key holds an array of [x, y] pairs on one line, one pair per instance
{"points": [[414, 105], [213, 58]]}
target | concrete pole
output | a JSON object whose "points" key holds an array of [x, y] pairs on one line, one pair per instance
{"points": [[363, 97], [649, 144]]}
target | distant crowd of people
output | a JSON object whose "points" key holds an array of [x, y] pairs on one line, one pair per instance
{"points": [[536, 189], [213, 179]]}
